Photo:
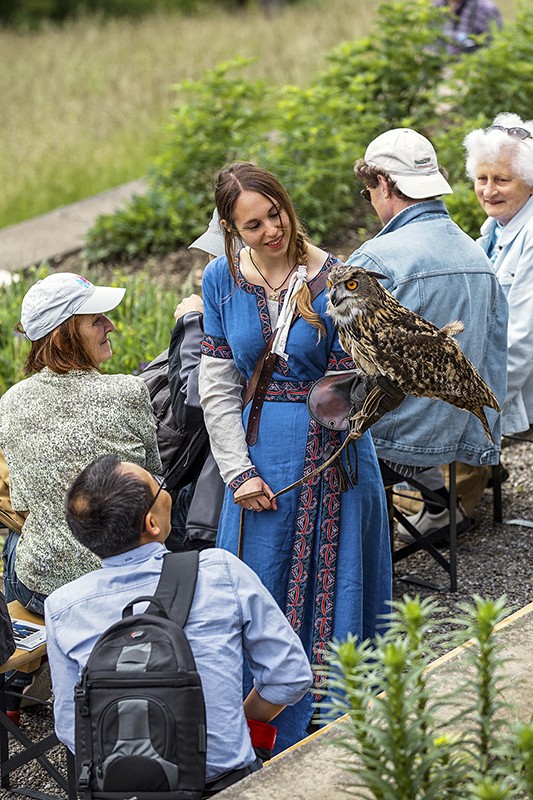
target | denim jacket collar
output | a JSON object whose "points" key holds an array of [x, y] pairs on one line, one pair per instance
{"points": [[419, 212]]}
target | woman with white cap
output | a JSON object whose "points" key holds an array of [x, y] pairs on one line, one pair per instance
{"points": [[500, 162], [58, 420]]}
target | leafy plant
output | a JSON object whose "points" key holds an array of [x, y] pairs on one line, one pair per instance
{"points": [[407, 740], [225, 119]]}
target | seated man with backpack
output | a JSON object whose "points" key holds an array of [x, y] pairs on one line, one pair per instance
{"points": [[135, 719]]}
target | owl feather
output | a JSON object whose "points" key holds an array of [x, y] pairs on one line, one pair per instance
{"points": [[385, 338]]}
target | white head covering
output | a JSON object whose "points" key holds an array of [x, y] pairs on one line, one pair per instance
{"points": [[54, 299], [212, 240], [411, 161]]}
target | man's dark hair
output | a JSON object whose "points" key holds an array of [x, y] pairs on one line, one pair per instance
{"points": [[368, 175], [105, 507]]}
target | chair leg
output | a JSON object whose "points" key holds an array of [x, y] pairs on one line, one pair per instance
{"points": [[31, 751], [497, 492], [71, 775], [452, 490], [427, 541]]}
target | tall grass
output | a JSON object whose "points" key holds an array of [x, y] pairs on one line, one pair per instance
{"points": [[84, 106]]}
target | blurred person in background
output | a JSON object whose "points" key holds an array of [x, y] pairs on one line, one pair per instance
{"points": [[469, 18]]}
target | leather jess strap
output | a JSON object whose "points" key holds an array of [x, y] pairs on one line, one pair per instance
{"points": [[262, 374]]}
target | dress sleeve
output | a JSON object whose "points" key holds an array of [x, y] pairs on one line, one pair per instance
{"points": [[520, 326], [275, 654], [221, 396], [221, 391]]}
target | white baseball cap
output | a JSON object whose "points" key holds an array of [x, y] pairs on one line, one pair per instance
{"points": [[411, 161], [54, 299], [212, 240]]}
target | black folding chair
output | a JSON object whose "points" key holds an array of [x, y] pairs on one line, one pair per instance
{"points": [[426, 541]]}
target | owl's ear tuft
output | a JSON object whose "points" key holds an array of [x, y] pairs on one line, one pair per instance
{"points": [[375, 274]]}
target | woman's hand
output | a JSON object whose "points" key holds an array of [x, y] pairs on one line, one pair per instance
{"points": [[260, 502], [192, 303]]}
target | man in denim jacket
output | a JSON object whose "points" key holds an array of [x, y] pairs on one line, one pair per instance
{"points": [[432, 267]]}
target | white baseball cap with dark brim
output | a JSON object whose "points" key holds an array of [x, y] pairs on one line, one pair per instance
{"points": [[411, 161], [52, 300], [212, 240]]}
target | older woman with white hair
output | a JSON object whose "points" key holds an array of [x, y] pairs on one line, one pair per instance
{"points": [[500, 161]]}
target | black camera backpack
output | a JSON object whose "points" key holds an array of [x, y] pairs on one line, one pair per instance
{"points": [[140, 713]]}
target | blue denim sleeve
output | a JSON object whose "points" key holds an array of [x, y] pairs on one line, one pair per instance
{"points": [[64, 672]]}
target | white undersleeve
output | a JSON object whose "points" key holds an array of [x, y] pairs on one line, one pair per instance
{"points": [[220, 385]]}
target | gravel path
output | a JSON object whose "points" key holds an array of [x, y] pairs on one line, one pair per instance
{"points": [[493, 559]]}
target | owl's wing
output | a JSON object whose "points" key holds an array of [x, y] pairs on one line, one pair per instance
{"points": [[419, 358]]}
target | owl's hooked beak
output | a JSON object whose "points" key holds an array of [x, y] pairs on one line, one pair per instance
{"points": [[333, 297]]}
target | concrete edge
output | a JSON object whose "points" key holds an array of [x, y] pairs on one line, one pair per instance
{"points": [[516, 615]]}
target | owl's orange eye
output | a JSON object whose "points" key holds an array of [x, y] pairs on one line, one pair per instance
{"points": [[351, 284]]}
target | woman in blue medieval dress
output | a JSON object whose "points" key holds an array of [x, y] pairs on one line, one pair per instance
{"points": [[323, 554]]}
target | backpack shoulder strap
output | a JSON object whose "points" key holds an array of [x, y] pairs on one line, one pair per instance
{"points": [[177, 585]]}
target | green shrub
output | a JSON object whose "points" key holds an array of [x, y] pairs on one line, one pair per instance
{"points": [[310, 137], [325, 128], [143, 321], [226, 118], [414, 744]]}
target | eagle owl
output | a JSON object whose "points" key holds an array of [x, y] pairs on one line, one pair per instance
{"points": [[385, 338]]}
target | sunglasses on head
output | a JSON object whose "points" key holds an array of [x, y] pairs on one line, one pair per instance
{"points": [[514, 133], [162, 485], [365, 194]]}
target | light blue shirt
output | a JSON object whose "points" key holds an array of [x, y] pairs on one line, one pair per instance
{"points": [[232, 617]]}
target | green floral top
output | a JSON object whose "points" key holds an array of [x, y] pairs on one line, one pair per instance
{"points": [[51, 427]]}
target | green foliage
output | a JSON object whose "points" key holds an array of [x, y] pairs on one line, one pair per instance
{"points": [[32, 13], [407, 740], [326, 127], [143, 321], [310, 137], [378, 94], [226, 118]]}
